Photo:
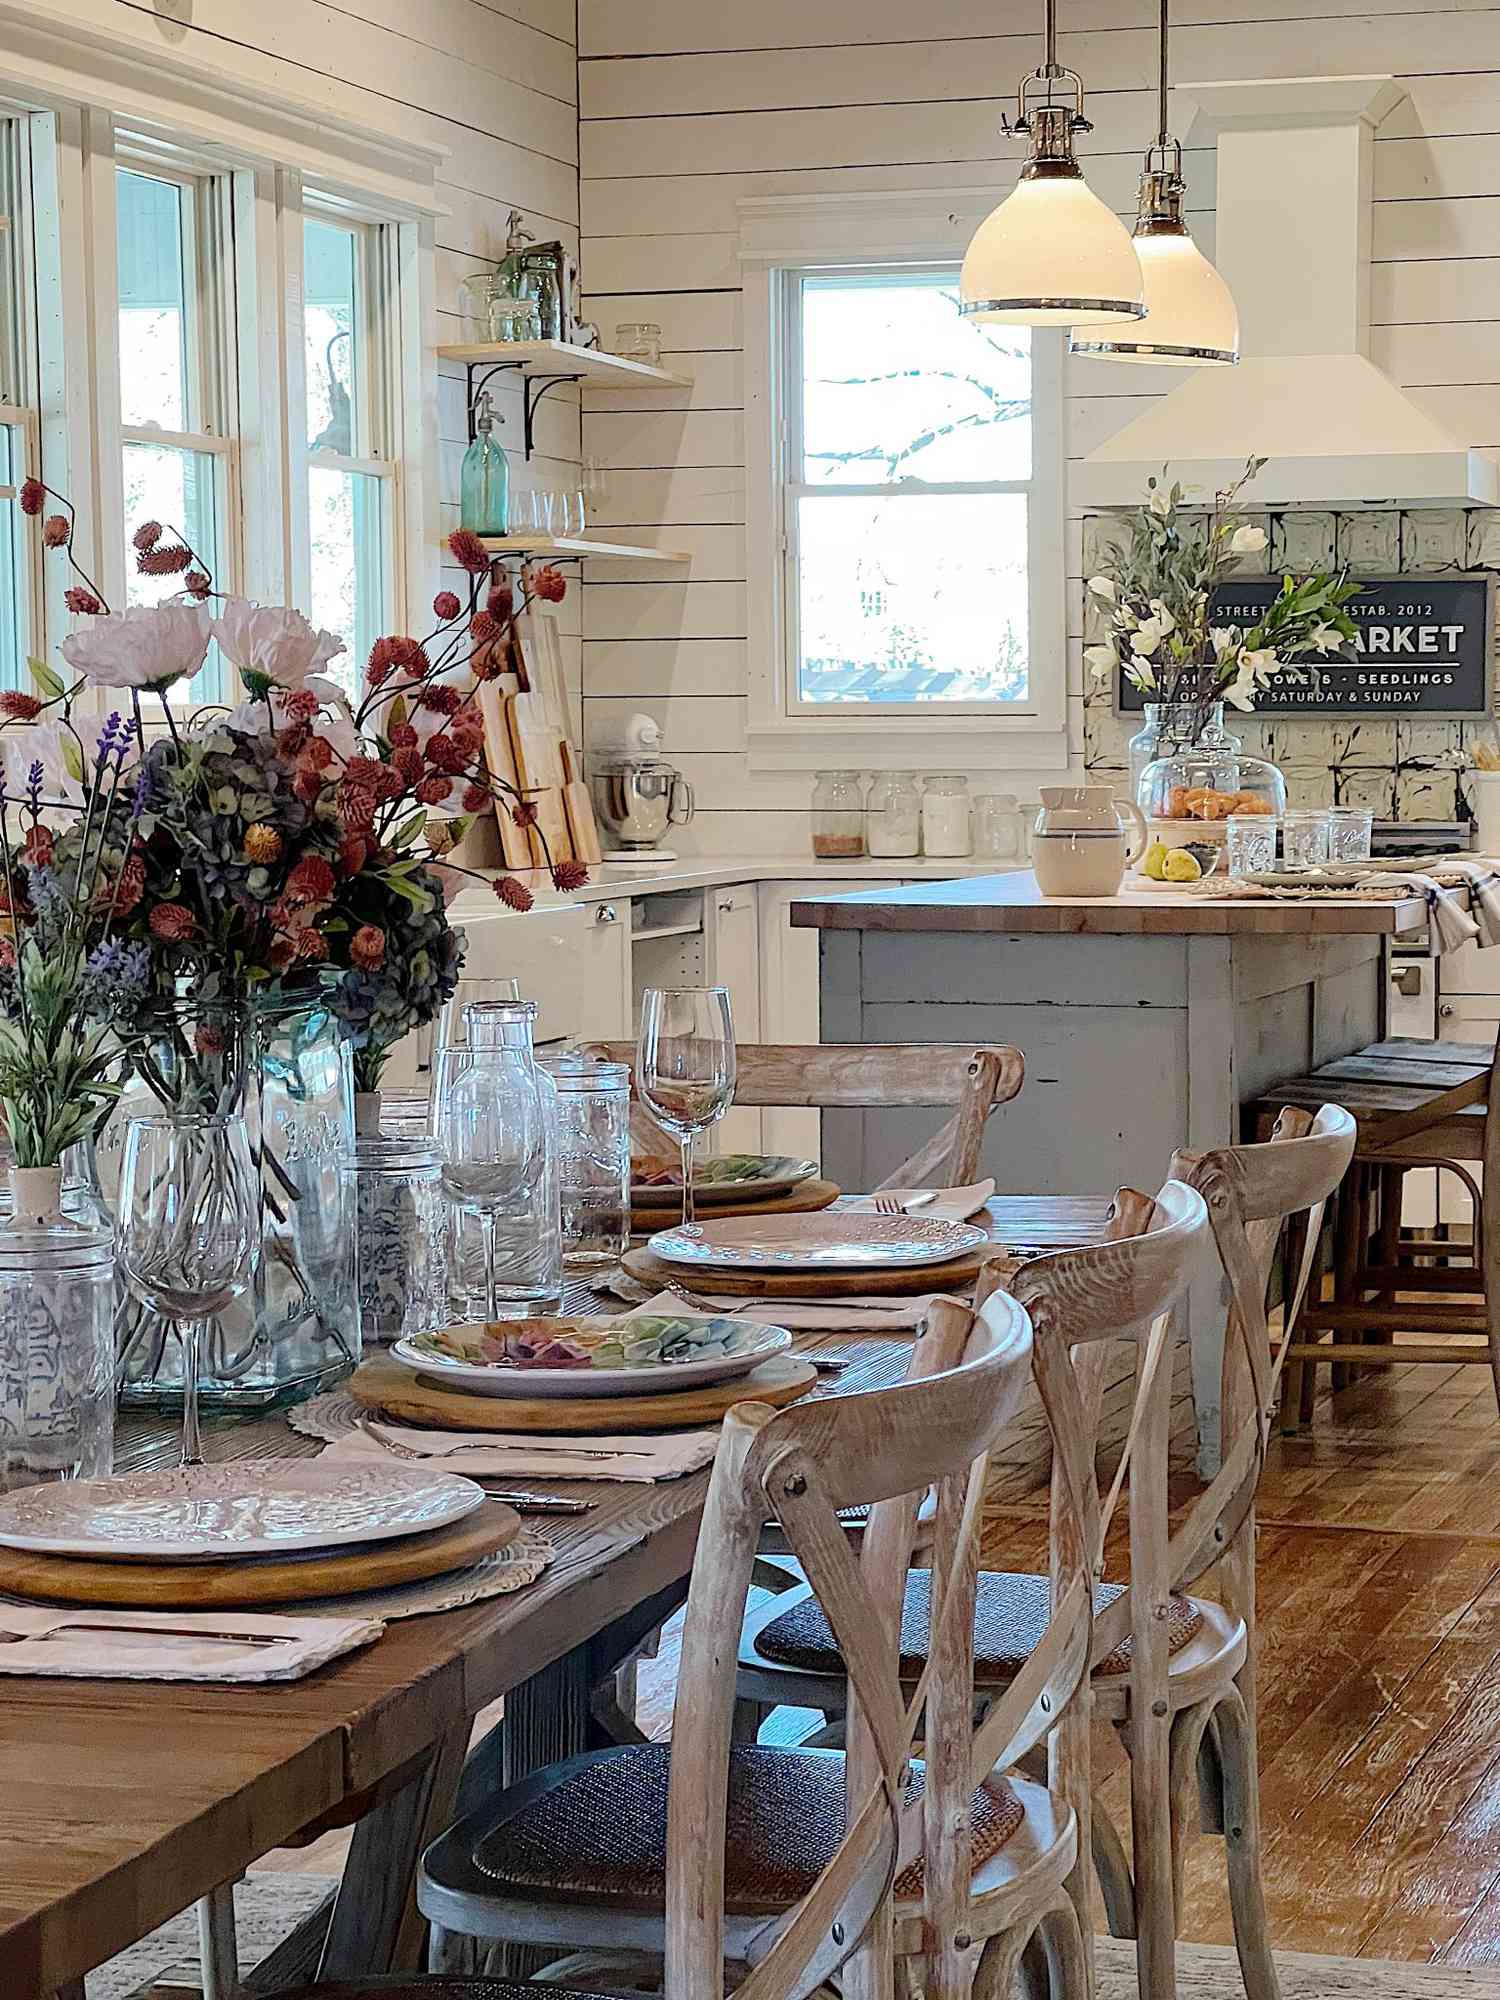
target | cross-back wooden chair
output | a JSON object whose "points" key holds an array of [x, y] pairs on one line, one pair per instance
{"points": [[577, 1857], [1079, 1301], [872, 1076]]}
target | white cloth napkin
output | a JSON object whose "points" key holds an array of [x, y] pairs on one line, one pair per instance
{"points": [[515, 1454], [136, 1645], [1448, 926], [1482, 879], [948, 1204], [873, 1315]]}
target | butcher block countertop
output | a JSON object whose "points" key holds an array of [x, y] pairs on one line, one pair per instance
{"points": [[1012, 903]]}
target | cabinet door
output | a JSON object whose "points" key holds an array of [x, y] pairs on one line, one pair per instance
{"points": [[603, 1005], [734, 954]]}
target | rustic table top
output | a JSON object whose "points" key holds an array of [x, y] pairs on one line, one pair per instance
{"points": [[1013, 903], [121, 1802]]}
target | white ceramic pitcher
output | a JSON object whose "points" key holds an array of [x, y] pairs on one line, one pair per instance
{"points": [[1080, 847]]}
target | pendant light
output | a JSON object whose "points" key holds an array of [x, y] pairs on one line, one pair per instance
{"points": [[1052, 253], [1190, 313]]}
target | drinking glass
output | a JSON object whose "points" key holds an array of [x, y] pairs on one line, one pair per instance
{"points": [[1304, 837], [1252, 843], [1349, 833], [572, 517], [187, 1230], [684, 1067], [593, 1159]]}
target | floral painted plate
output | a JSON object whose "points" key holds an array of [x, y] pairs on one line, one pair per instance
{"points": [[835, 1240], [725, 1178], [638, 1355], [198, 1513]]}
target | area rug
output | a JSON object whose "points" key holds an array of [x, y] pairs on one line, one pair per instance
{"points": [[268, 1906]]}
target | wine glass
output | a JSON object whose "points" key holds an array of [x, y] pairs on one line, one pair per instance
{"points": [[684, 1067], [186, 1230]]}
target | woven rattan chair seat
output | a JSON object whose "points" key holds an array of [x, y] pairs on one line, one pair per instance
{"points": [[1010, 1616], [600, 1834]]}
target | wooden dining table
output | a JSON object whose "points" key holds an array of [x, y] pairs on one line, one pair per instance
{"points": [[121, 1803]]}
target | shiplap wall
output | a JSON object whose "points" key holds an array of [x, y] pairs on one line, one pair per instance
{"points": [[684, 109], [494, 85]]}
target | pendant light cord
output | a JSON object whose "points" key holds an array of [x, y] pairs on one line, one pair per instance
{"points": [[1162, 135], [1049, 18]]}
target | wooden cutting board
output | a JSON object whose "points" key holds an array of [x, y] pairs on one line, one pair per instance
{"points": [[515, 847], [957, 1275], [579, 807], [803, 1200], [536, 753], [381, 1384], [262, 1579]]}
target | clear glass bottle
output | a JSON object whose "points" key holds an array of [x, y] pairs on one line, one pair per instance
{"points": [[495, 1123], [639, 340], [838, 817], [946, 828], [484, 479], [1173, 726], [401, 1249], [593, 1160], [894, 809], [57, 1353]]}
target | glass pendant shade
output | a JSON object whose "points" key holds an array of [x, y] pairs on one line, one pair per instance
{"points": [[1191, 319], [1052, 254]]}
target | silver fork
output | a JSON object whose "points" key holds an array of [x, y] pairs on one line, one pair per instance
{"points": [[895, 1204], [10, 1638], [441, 1457]]}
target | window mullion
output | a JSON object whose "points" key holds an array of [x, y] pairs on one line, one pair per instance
{"points": [[98, 469], [290, 221], [260, 386]]}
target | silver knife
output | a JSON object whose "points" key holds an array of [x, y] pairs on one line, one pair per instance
{"points": [[538, 1503]]}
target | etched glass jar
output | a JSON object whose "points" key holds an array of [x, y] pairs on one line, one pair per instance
{"points": [[401, 1224], [593, 1160], [895, 814], [289, 1070], [57, 1353]]}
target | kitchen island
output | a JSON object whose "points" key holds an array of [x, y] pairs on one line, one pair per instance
{"points": [[1148, 1020]]}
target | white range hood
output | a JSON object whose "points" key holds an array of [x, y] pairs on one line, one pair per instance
{"points": [[1292, 240]]}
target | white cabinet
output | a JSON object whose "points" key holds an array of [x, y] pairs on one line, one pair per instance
{"points": [[603, 1011], [732, 922]]}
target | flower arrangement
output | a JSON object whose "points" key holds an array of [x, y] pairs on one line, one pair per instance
{"points": [[1156, 588], [278, 846]]}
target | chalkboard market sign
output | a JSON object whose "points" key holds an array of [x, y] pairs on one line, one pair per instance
{"points": [[1422, 648]]}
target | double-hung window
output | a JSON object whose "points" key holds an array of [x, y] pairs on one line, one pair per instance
{"points": [[176, 272], [348, 281], [904, 513]]}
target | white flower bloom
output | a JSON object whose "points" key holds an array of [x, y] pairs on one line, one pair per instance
{"points": [[1101, 662], [1224, 639], [1103, 586], [1325, 638], [1161, 503], [148, 646], [273, 640], [1162, 616], [39, 743], [1125, 619], [1241, 692], [1148, 635], [1259, 663], [1248, 541], [335, 719], [1141, 671]]}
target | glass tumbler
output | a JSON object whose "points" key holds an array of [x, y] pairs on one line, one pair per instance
{"points": [[1252, 843], [1304, 837], [593, 1160], [1349, 833]]}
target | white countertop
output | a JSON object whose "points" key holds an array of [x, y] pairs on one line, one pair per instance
{"points": [[707, 871]]}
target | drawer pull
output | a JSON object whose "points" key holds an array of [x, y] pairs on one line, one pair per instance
{"points": [[606, 914]]}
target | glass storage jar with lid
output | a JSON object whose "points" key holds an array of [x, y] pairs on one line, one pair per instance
{"points": [[1187, 798], [894, 808], [945, 815], [838, 817]]}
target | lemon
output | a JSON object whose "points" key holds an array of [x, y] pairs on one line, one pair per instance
{"points": [[1181, 867], [1154, 861]]}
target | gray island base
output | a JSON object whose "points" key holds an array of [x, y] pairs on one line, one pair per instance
{"points": [[1148, 1022]]}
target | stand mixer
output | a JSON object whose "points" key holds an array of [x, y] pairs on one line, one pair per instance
{"points": [[638, 795]]}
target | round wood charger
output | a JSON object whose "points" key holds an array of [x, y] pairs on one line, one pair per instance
{"points": [[645, 1218], [419, 1399], [957, 1275], [261, 1579]]}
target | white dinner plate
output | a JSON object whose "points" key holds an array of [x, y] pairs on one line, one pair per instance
{"points": [[456, 1357], [198, 1513], [832, 1240]]}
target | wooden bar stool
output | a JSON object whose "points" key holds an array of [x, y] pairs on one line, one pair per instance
{"points": [[1417, 1105]]}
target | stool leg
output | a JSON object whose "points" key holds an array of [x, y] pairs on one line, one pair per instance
{"points": [[1487, 1257], [1346, 1257], [1392, 1181]]}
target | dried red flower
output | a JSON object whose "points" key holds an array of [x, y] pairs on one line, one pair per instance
{"points": [[281, 954], [55, 531], [433, 791], [146, 536], [469, 552], [549, 584], [487, 665], [263, 844], [500, 602], [483, 629], [311, 946], [18, 707], [469, 740], [33, 496], [568, 875], [197, 583], [360, 770], [388, 784], [410, 765], [311, 881], [130, 885], [397, 650], [523, 812], [440, 698], [38, 845], [308, 785], [299, 705], [170, 561], [367, 947], [446, 605], [401, 736], [444, 753], [172, 923], [357, 804], [353, 853], [78, 599], [316, 754], [515, 895], [476, 798], [293, 740], [208, 1040]]}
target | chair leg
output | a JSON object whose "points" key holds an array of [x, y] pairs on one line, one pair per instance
{"points": [[1346, 1257], [1151, 1840], [1112, 1870], [218, 1947], [1188, 1728], [1252, 1938], [1391, 1182], [1067, 1960]]}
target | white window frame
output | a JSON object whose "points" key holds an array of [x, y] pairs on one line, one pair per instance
{"points": [[781, 239], [21, 416]]}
